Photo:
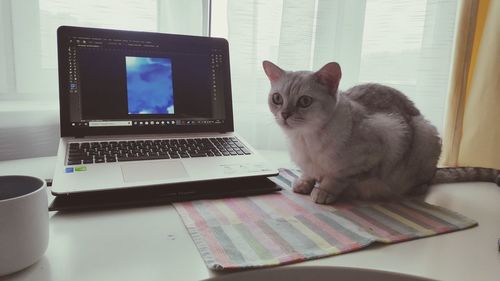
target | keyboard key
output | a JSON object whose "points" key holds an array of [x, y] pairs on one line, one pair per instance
{"points": [[110, 159], [74, 162], [197, 154], [99, 160], [133, 158], [74, 147]]}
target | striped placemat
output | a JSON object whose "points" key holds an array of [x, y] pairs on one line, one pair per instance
{"points": [[286, 227]]}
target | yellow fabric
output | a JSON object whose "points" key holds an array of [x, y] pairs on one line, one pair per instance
{"points": [[452, 132], [482, 13], [480, 144]]}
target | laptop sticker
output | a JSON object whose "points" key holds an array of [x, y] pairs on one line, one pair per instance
{"points": [[81, 169]]}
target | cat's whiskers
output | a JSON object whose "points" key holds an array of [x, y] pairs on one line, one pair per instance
{"points": [[296, 121]]}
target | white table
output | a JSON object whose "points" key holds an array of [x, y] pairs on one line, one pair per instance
{"points": [[151, 243]]}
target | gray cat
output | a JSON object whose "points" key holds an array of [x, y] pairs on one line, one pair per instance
{"points": [[369, 142]]}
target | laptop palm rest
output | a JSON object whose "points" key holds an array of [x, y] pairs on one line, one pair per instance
{"points": [[151, 171]]}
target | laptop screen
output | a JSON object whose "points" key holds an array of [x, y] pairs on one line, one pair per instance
{"points": [[125, 82]]}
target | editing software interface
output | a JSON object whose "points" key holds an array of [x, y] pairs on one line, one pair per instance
{"points": [[121, 82]]}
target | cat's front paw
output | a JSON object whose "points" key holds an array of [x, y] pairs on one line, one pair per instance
{"points": [[303, 186], [322, 196]]}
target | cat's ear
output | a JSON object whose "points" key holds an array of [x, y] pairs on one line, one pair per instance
{"points": [[329, 75], [272, 71]]}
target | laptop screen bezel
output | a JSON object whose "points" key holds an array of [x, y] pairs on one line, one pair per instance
{"points": [[64, 33]]}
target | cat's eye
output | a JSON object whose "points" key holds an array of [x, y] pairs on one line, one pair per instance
{"points": [[304, 101], [277, 98]]}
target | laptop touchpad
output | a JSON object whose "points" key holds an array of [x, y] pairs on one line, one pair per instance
{"points": [[153, 171]]}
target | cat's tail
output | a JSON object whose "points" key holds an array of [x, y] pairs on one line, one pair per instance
{"points": [[463, 174]]}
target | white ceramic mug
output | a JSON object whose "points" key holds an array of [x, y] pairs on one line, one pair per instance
{"points": [[24, 222]]}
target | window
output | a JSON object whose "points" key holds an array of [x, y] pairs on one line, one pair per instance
{"points": [[28, 56], [31, 25], [404, 44], [134, 15]]}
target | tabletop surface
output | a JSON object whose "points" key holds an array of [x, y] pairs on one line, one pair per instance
{"points": [[151, 243]]}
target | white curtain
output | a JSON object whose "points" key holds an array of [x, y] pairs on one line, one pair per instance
{"points": [[29, 111], [404, 44]]}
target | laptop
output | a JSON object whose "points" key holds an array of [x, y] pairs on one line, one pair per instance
{"points": [[143, 109]]}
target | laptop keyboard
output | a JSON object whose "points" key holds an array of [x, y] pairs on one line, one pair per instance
{"points": [[118, 151]]}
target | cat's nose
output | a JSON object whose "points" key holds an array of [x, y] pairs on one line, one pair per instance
{"points": [[285, 114]]}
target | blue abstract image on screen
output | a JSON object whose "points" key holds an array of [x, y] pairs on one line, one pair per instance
{"points": [[149, 85]]}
